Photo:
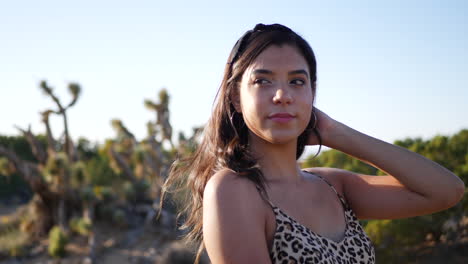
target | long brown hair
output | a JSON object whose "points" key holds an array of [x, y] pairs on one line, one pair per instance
{"points": [[224, 141]]}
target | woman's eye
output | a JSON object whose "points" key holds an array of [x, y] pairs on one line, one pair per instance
{"points": [[298, 82], [261, 81]]}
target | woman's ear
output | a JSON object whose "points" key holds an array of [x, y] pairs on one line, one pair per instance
{"points": [[235, 100]]}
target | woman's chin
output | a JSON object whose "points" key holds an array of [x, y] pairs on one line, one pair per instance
{"points": [[275, 137], [280, 139]]}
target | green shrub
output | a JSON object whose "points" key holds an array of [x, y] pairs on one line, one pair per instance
{"points": [[400, 232], [57, 242], [81, 226]]}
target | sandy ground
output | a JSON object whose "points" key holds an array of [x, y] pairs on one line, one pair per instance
{"points": [[115, 245]]}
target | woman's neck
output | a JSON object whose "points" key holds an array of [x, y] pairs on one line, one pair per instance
{"points": [[277, 161]]}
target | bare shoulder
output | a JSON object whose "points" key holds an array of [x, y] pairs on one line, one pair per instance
{"points": [[233, 220], [223, 177], [228, 186], [334, 176], [327, 170]]}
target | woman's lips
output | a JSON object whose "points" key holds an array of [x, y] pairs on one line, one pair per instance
{"points": [[282, 117]]}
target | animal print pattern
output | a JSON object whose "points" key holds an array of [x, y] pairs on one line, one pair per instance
{"points": [[294, 243]]}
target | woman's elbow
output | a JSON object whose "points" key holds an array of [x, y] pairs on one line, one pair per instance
{"points": [[455, 194], [459, 191]]}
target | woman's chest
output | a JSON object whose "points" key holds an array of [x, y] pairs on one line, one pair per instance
{"points": [[294, 242], [324, 217]]}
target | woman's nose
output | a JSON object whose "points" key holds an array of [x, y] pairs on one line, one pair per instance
{"points": [[282, 96]]}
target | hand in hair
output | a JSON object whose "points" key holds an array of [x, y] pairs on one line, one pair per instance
{"points": [[325, 126]]}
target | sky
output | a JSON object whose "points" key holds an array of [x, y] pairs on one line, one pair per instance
{"points": [[390, 69]]}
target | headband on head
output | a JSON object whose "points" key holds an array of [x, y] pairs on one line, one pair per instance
{"points": [[240, 44]]}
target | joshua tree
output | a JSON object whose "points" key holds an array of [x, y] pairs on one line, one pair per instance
{"points": [[49, 178], [162, 124], [146, 160]]}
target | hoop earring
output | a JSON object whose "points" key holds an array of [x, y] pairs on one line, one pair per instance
{"points": [[315, 119], [231, 117], [232, 120]]}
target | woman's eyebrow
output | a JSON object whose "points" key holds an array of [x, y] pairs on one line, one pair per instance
{"points": [[299, 72], [264, 71]]}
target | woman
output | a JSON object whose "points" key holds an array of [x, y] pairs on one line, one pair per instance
{"points": [[250, 202]]}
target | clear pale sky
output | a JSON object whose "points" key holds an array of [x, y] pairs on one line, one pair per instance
{"points": [[391, 70]]}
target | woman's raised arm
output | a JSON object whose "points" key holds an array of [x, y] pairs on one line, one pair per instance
{"points": [[414, 185]]}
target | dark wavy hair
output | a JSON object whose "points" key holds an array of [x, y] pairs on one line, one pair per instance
{"points": [[224, 142]]}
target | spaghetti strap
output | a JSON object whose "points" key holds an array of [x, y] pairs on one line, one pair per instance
{"points": [[331, 186], [264, 196], [342, 199]]}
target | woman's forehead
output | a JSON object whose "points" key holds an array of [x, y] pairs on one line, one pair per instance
{"points": [[279, 58]]}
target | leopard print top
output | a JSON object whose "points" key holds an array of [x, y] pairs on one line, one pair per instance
{"points": [[294, 243]]}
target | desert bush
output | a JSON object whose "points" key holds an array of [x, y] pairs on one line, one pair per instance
{"points": [[80, 225], [57, 242]]}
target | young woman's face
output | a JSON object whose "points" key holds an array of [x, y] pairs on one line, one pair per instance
{"points": [[276, 95]]}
